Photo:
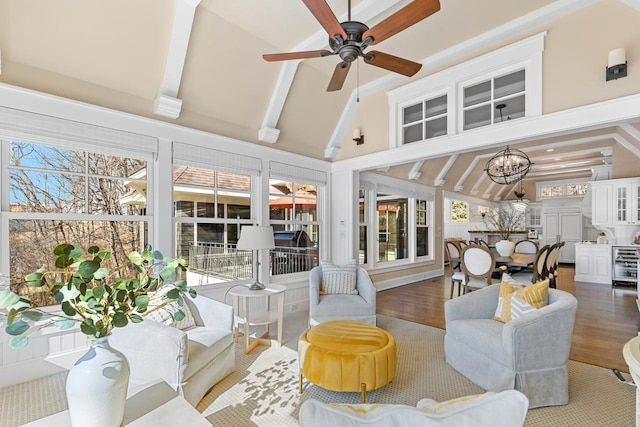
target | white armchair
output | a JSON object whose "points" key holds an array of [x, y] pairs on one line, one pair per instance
{"points": [[360, 307], [191, 361]]}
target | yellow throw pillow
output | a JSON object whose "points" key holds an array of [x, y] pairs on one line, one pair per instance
{"points": [[515, 301]]}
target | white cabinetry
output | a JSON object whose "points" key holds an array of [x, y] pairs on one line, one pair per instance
{"points": [[615, 202], [563, 227], [593, 263], [533, 217]]}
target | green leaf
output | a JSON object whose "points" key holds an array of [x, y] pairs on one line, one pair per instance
{"points": [[173, 294], [157, 255], [135, 258], [87, 268], [68, 309], [193, 293], [180, 284], [178, 315], [35, 279], [8, 298], [65, 323], [93, 250], [32, 315], [142, 301], [62, 249], [98, 291], [17, 328], [135, 318], [120, 319], [88, 328], [68, 293], [167, 273], [62, 261], [101, 273], [18, 342]]}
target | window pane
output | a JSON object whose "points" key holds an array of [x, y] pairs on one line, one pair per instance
{"points": [[46, 157], [234, 181], [239, 211], [422, 241], [436, 106], [509, 84], [362, 252], [100, 164], [31, 191], [113, 197], [477, 94], [206, 209], [412, 113], [459, 211], [296, 248], [392, 231], [436, 127], [31, 243], [412, 133], [477, 117], [184, 209]]}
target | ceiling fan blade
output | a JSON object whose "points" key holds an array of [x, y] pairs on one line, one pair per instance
{"points": [[392, 63], [323, 13], [412, 13], [296, 55], [339, 76]]}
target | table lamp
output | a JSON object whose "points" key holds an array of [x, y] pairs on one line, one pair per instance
{"points": [[256, 238]]}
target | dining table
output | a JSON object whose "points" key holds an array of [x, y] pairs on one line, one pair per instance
{"points": [[516, 259]]}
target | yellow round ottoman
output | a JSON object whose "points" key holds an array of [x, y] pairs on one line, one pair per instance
{"points": [[346, 355]]}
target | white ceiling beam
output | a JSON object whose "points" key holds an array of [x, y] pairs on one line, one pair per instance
{"points": [[364, 11], [626, 144], [414, 173], [167, 103], [439, 181], [633, 132], [495, 36]]}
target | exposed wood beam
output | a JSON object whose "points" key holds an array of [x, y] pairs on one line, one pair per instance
{"points": [[167, 103]]}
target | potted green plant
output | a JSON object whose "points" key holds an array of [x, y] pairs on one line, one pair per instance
{"points": [[99, 296], [505, 222]]}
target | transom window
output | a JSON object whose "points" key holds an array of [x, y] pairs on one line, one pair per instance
{"points": [[561, 189]]}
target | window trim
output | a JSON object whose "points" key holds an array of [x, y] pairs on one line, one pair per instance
{"points": [[562, 183]]}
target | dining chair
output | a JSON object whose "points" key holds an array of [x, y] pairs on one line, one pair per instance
{"points": [[453, 253], [552, 262], [526, 247], [483, 243], [538, 270], [478, 265]]}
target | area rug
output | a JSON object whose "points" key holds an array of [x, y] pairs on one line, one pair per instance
{"points": [[263, 390]]}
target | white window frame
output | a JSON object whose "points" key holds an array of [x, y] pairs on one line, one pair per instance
{"points": [[561, 183], [525, 54]]}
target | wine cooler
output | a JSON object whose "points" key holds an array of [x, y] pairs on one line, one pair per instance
{"points": [[625, 264]]}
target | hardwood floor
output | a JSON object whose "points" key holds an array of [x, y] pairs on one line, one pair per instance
{"points": [[606, 318]]}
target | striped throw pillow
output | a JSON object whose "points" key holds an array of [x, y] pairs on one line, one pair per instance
{"points": [[165, 314], [338, 279], [515, 301]]}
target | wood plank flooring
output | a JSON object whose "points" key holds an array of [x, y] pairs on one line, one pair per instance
{"points": [[606, 318]]}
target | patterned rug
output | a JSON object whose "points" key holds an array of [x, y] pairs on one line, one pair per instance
{"points": [[263, 390]]}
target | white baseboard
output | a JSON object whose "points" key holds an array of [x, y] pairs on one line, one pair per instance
{"points": [[405, 280]]}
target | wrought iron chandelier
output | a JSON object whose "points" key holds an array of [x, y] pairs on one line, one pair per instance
{"points": [[508, 166]]}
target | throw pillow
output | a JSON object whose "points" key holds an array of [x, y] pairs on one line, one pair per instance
{"points": [[515, 301], [338, 279], [165, 315]]}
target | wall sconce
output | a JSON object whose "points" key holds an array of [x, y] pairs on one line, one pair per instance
{"points": [[358, 137], [483, 210], [617, 64]]}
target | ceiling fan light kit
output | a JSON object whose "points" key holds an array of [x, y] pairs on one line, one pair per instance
{"points": [[349, 39]]}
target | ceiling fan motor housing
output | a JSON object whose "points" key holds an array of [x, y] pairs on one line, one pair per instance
{"points": [[352, 47]]}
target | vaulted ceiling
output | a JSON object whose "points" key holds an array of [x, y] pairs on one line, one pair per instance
{"points": [[198, 63]]}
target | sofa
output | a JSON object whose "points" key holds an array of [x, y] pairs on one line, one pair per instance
{"points": [[528, 353], [505, 409], [191, 360]]}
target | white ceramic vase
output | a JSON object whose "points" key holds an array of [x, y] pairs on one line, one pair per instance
{"points": [[505, 247], [97, 386]]}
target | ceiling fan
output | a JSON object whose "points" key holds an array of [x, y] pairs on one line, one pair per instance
{"points": [[349, 39]]}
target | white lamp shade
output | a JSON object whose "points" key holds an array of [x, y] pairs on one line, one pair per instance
{"points": [[256, 237]]}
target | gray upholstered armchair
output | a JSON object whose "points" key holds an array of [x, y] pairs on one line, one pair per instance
{"points": [[360, 307], [529, 353], [191, 360]]}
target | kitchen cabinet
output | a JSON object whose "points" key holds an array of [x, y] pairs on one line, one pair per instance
{"points": [[593, 263], [615, 202], [533, 216]]}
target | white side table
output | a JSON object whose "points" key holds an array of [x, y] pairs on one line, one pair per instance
{"points": [[257, 317], [156, 404]]}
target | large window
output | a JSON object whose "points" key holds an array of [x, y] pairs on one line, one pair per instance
{"points": [[58, 195], [395, 221], [209, 208], [293, 214]]}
